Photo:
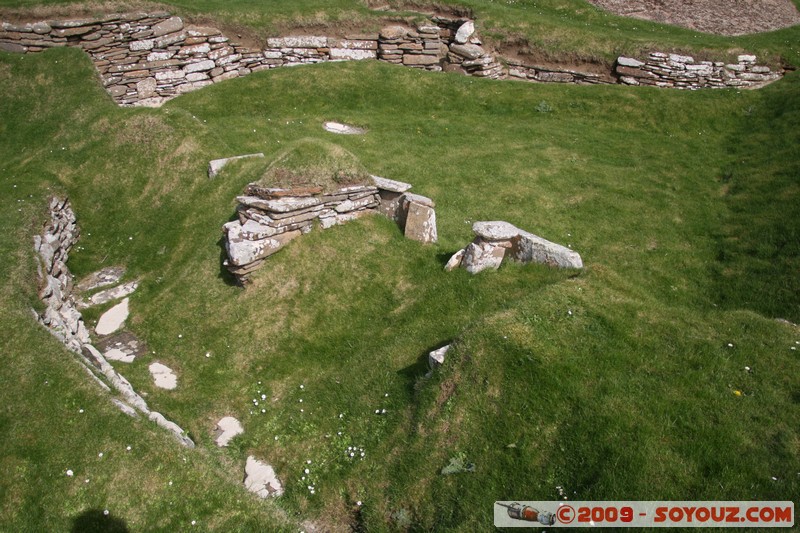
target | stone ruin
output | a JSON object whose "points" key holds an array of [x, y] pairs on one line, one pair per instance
{"points": [[497, 241], [269, 218], [145, 59], [62, 318]]}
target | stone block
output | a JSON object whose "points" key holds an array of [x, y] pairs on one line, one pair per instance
{"points": [[170, 25], [420, 224]]}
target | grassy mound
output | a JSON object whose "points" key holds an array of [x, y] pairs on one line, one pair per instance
{"points": [[315, 163]]}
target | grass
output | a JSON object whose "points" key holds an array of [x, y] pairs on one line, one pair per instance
{"points": [[618, 382]]}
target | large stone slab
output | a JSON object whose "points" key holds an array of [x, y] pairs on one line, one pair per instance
{"points": [[527, 248], [343, 129], [227, 428], [390, 185], [464, 32], [170, 25], [349, 54], [260, 479], [163, 376], [113, 319], [495, 230], [242, 252], [421, 223], [467, 51], [115, 293], [281, 205], [216, 165], [102, 278]]}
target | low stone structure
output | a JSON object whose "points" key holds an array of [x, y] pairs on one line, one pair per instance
{"points": [[496, 241], [147, 58], [269, 218], [62, 318], [683, 72]]}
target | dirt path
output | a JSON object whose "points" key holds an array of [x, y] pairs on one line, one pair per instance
{"points": [[722, 17]]}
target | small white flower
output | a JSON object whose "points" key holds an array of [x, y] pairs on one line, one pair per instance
{"points": [[263, 411], [170, 483], [302, 411], [358, 503], [100, 455], [194, 522], [386, 395], [80, 411], [377, 411], [86, 480], [263, 396], [302, 386], [105, 512], [70, 473], [341, 415], [308, 462], [301, 400], [208, 354], [180, 335], [730, 345], [276, 437], [383, 411], [306, 471], [128, 448]]}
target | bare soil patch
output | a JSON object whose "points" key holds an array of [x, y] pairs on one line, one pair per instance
{"points": [[721, 17]]}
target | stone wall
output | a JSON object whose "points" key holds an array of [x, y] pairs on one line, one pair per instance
{"points": [[269, 218], [683, 72], [62, 318], [148, 58]]}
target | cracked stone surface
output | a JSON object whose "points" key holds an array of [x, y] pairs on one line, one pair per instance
{"points": [[113, 319], [260, 479], [163, 376], [227, 428]]}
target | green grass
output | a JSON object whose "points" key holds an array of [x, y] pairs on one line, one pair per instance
{"points": [[615, 383]]}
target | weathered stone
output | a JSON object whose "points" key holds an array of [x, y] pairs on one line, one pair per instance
{"points": [[496, 230], [464, 32], [455, 261], [746, 58], [170, 25], [420, 223], [343, 129], [126, 289], [629, 62], [199, 66], [163, 376], [71, 32], [391, 33], [281, 205], [260, 479], [227, 428], [102, 278], [298, 42], [216, 165], [527, 248], [418, 198], [329, 220], [171, 38], [346, 54], [113, 319], [12, 47], [146, 88], [170, 75], [197, 76], [390, 185], [436, 357], [195, 49], [353, 205], [467, 51], [480, 255], [242, 252], [41, 28], [116, 354], [146, 44]]}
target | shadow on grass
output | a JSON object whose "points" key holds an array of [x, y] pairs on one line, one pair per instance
{"points": [[412, 374], [225, 274], [95, 520], [444, 257]]}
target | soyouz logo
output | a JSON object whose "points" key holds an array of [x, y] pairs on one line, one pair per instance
{"points": [[644, 514]]}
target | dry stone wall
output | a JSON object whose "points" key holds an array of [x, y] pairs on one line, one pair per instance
{"points": [[683, 72], [62, 318], [270, 218], [147, 58]]}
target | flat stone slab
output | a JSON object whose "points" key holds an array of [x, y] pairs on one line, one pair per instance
{"points": [[436, 357], [115, 293], [216, 165], [495, 230], [390, 185], [102, 278], [118, 354], [343, 129], [113, 319], [260, 479], [227, 428], [163, 376]]}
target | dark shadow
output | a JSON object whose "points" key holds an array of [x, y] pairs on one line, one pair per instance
{"points": [[418, 369], [95, 520], [444, 257], [225, 274]]}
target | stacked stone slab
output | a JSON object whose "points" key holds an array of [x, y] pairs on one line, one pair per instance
{"points": [[420, 48], [683, 72], [147, 58], [520, 71], [270, 218], [497, 240], [64, 321]]}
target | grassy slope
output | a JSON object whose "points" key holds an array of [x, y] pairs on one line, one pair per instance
{"points": [[629, 396]]}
